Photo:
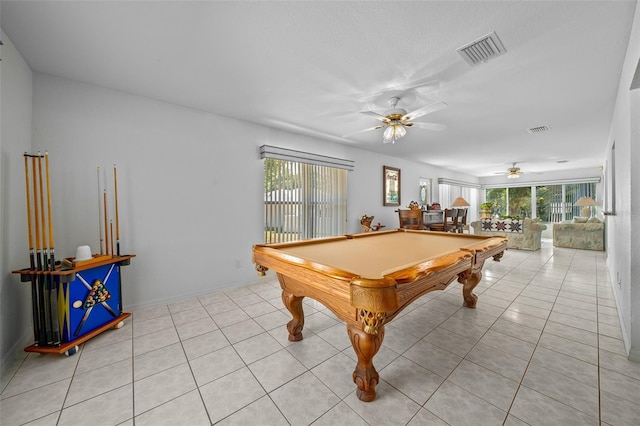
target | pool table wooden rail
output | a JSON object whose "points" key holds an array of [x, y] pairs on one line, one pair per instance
{"points": [[334, 287]]}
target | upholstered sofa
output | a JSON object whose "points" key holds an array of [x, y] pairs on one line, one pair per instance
{"points": [[521, 234], [585, 235]]}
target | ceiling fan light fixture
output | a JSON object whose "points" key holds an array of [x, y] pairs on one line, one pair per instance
{"points": [[396, 120], [513, 172], [394, 131]]}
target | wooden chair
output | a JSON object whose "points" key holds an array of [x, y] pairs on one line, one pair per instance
{"points": [[411, 219], [449, 222], [462, 220]]}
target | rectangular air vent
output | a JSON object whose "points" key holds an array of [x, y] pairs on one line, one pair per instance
{"points": [[482, 50], [538, 129]]}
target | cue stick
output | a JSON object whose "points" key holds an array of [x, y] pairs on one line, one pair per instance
{"points": [[106, 227], [32, 261], [100, 215], [52, 260], [115, 196], [44, 295], [45, 249], [43, 244], [111, 231]]}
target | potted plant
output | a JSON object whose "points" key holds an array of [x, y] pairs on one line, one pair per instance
{"points": [[485, 210]]}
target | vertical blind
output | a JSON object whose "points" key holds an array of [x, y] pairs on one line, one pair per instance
{"points": [[575, 191], [303, 201], [450, 190]]}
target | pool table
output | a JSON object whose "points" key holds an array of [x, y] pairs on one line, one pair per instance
{"points": [[367, 279]]}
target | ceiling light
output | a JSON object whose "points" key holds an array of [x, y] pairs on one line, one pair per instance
{"points": [[396, 120], [394, 131], [513, 172]]}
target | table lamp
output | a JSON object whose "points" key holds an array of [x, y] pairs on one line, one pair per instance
{"points": [[585, 203], [460, 202]]}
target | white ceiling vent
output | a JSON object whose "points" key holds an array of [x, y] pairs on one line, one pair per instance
{"points": [[538, 129], [482, 50]]}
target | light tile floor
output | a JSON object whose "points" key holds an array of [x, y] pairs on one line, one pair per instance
{"points": [[543, 347]]}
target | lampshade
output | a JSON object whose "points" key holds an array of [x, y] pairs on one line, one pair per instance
{"points": [[513, 176], [460, 202], [585, 203]]}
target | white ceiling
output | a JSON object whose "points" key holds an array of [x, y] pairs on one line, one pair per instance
{"points": [[311, 67]]}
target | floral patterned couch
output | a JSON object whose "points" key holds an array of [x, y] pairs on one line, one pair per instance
{"points": [[585, 235], [521, 234]]}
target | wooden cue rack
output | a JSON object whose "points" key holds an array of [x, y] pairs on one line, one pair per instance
{"points": [[67, 274], [72, 301]]}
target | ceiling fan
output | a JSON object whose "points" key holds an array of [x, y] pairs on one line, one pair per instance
{"points": [[396, 120], [512, 172]]}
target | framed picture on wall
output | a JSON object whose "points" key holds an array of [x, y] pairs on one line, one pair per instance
{"points": [[424, 191], [391, 186]]}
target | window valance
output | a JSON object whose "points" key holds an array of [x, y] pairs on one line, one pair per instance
{"points": [[268, 151], [595, 179], [454, 182]]}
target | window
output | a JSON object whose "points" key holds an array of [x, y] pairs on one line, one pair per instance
{"points": [[303, 201], [549, 204], [575, 191], [498, 198], [514, 201], [449, 190], [554, 203], [519, 201]]}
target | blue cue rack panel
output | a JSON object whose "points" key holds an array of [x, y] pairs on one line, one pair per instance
{"points": [[89, 301]]}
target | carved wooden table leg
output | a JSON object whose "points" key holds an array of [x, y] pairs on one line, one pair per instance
{"points": [[469, 281], [365, 375], [294, 305]]}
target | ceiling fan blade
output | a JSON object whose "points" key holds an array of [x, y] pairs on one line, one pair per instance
{"points": [[403, 91], [376, 116], [428, 109], [362, 131], [426, 82], [291, 127], [428, 126]]}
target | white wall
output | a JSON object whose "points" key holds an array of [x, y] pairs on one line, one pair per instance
{"points": [[189, 185], [189, 188], [15, 139], [623, 229]]}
